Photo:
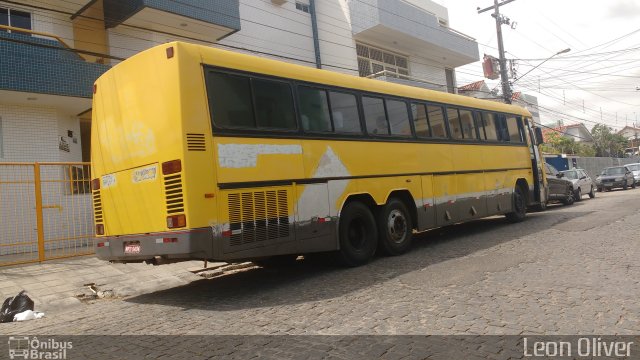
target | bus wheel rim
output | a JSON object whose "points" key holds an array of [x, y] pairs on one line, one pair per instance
{"points": [[397, 226]]}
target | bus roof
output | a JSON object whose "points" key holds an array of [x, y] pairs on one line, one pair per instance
{"points": [[250, 63]]}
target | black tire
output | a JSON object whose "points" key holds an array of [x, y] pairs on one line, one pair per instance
{"points": [[633, 184], [279, 261], [569, 199], [592, 193], [519, 206], [358, 234], [625, 186], [578, 195], [395, 228]]}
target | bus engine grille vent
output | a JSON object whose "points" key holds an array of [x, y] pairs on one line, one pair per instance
{"points": [[173, 194], [258, 216], [196, 142], [97, 207]]}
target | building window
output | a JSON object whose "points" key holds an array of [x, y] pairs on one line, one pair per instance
{"points": [[451, 80], [373, 60], [15, 18], [302, 7]]}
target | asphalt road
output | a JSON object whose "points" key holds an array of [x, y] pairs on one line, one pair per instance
{"points": [[568, 270]]}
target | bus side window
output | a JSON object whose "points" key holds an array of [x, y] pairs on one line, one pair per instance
{"points": [[420, 121], [230, 100], [344, 112], [274, 104], [454, 123], [398, 117], [490, 121], [314, 109], [503, 130], [375, 116], [514, 129], [436, 121], [468, 125], [480, 125]]}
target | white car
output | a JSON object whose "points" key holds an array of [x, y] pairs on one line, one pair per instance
{"points": [[635, 169], [582, 183]]}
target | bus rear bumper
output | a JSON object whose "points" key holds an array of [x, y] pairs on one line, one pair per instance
{"points": [[178, 245]]}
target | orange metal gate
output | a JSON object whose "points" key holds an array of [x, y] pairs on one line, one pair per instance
{"points": [[45, 212]]}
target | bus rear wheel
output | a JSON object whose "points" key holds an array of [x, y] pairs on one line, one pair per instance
{"points": [[395, 229], [519, 206], [357, 233]]}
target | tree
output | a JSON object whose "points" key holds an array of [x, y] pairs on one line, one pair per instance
{"points": [[606, 142]]}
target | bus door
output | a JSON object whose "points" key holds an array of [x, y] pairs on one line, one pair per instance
{"points": [[539, 188]]}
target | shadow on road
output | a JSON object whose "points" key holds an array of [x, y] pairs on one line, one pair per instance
{"points": [[314, 279]]}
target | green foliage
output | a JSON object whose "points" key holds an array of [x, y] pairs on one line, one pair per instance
{"points": [[607, 143]]}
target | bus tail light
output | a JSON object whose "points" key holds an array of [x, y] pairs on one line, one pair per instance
{"points": [[99, 229], [95, 184], [171, 167], [176, 221], [169, 240]]}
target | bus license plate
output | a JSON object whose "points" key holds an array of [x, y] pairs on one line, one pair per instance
{"points": [[132, 248]]}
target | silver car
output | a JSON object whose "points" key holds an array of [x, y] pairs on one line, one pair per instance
{"points": [[635, 169], [582, 183]]}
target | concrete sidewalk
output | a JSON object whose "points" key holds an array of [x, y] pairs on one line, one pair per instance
{"points": [[54, 286]]}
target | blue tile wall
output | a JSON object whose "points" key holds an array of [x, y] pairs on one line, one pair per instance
{"points": [[37, 69], [220, 12]]}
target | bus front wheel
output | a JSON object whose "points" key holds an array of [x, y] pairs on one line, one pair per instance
{"points": [[394, 228], [357, 234]]}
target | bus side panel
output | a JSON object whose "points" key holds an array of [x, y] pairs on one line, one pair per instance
{"points": [[427, 215], [315, 227], [471, 201], [444, 189]]}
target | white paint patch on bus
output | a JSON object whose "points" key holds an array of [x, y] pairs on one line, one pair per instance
{"points": [[240, 156], [313, 199]]}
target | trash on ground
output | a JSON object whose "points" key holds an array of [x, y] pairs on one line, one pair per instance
{"points": [[13, 306], [28, 315]]}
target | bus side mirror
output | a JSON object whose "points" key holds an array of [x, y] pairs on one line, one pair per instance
{"points": [[539, 137]]}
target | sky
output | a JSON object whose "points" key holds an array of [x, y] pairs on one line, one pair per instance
{"points": [[601, 71]]}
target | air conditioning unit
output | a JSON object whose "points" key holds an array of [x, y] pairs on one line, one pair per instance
{"points": [[279, 2]]}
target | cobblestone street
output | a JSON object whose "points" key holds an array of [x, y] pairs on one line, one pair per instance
{"points": [[571, 269]]}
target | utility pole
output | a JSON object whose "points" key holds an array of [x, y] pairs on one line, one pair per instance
{"points": [[504, 77]]}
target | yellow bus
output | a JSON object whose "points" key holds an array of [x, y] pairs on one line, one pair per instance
{"points": [[200, 153]]}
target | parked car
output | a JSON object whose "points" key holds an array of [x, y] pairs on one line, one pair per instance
{"points": [[560, 189], [635, 169], [615, 177], [582, 183]]}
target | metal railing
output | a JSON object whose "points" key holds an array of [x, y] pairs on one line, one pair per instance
{"points": [[45, 212]]}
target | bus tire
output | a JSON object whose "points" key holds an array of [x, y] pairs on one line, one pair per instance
{"points": [[519, 206], [395, 230], [358, 234]]}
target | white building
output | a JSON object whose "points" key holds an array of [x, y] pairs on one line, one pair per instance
{"points": [[45, 90], [52, 51]]}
